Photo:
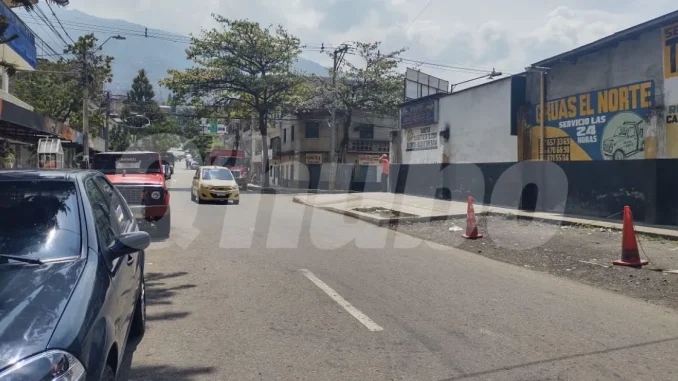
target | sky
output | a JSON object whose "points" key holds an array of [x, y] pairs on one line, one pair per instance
{"points": [[475, 35]]}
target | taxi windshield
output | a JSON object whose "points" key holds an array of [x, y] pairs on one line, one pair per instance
{"points": [[217, 174]]}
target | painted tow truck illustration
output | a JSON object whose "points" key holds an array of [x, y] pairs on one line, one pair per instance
{"points": [[627, 140]]}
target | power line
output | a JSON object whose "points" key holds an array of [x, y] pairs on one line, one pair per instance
{"points": [[419, 15], [59, 21], [43, 17], [47, 34]]}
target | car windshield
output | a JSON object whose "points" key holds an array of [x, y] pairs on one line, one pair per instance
{"points": [[39, 219], [620, 131], [128, 162], [217, 174], [223, 161]]}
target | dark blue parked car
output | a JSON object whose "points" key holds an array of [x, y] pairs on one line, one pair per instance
{"points": [[71, 276]]}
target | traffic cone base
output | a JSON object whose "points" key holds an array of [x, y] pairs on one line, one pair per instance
{"points": [[471, 226], [630, 256], [640, 263], [473, 236]]}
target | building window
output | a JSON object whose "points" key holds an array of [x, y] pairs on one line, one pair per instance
{"points": [[366, 131], [284, 135], [292, 133], [312, 130]]}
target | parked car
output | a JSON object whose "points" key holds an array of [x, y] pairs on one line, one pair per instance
{"points": [[71, 276], [214, 183], [168, 158], [140, 179], [195, 165]]}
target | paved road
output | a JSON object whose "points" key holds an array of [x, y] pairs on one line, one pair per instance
{"points": [[273, 290]]}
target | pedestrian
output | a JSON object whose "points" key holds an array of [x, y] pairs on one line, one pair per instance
{"points": [[355, 173], [385, 168]]}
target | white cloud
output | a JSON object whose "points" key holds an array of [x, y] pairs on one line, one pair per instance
{"points": [[492, 33]]}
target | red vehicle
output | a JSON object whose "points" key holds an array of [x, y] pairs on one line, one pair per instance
{"points": [[235, 160], [140, 178]]}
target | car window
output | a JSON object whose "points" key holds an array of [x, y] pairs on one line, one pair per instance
{"points": [[39, 219], [217, 174], [119, 208], [107, 227]]}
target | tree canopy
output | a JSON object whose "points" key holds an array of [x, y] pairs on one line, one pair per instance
{"points": [[243, 62], [372, 87], [55, 89]]}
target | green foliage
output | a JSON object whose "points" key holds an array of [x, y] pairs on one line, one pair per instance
{"points": [[55, 89], [242, 62], [239, 62], [140, 101], [200, 145], [119, 139], [374, 87], [29, 6]]}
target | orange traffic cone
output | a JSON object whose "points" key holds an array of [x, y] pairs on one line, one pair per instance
{"points": [[630, 255], [471, 226]]}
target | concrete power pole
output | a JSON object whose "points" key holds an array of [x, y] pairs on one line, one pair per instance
{"points": [[85, 111], [338, 57]]}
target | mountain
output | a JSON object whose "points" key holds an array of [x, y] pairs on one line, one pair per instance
{"points": [[161, 51]]}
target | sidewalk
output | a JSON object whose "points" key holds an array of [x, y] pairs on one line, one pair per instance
{"points": [[277, 189], [422, 209]]}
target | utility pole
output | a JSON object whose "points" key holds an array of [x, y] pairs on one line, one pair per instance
{"points": [[85, 110], [108, 113], [338, 56]]}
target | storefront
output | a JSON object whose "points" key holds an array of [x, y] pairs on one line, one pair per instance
{"points": [[20, 131]]}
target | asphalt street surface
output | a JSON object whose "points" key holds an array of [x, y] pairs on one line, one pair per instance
{"points": [[274, 290]]}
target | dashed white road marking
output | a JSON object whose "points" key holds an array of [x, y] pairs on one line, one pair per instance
{"points": [[364, 319]]}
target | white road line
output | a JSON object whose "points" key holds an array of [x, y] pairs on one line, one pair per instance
{"points": [[364, 319]]}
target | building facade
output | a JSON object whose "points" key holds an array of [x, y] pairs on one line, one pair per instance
{"points": [[305, 140]]}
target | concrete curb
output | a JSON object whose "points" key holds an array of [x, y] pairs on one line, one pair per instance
{"points": [[565, 221], [376, 220]]}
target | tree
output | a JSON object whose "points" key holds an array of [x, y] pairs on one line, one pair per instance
{"points": [[200, 145], [56, 88], [30, 6], [375, 87], [241, 62], [140, 100], [119, 138]]}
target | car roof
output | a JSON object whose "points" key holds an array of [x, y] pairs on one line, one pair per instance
{"points": [[213, 167], [128, 153], [42, 174]]}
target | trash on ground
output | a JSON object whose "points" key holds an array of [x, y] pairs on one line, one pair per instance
{"points": [[455, 228]]}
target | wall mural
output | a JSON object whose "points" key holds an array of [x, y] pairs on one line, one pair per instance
{"points": [[608, 124]]}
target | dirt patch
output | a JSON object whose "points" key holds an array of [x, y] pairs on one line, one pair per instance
{"points": [[383, 212], [584, 254]]}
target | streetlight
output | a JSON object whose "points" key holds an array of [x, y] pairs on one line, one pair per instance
{"points": [[85, 100], [488, 76], [118, 37]]}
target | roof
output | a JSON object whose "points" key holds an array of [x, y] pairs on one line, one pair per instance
{"points": [[626, 34], [46, 174], [213, 167], [432, 96]]}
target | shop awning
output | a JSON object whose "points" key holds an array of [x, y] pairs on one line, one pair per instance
{"points": [[19, 123]]}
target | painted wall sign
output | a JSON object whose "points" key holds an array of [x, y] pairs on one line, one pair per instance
{"points": [[608, 124], [368, 159], [670, 44], [314, 158], [422, 138], [419, 114]]}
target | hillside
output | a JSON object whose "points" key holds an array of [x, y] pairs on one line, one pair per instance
{"points": [[156, 55]]}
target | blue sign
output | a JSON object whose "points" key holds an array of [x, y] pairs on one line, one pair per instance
{"points": [[24, 44], [419, 114]]}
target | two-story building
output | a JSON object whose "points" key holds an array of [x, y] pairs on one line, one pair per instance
{"points": [[20, 126], [304, 155]]}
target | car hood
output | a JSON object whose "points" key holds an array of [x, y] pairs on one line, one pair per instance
{"points": [[32, 299], [137, 178], [219, 183]]}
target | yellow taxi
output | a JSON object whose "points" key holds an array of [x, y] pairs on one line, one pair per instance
{"points": [[212, 183]]}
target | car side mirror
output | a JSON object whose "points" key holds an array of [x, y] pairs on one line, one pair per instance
{"points": [[129, 243]]}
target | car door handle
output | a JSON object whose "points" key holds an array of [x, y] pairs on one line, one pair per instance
{"points": [[130, 260]]}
